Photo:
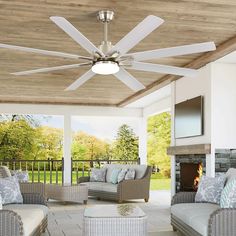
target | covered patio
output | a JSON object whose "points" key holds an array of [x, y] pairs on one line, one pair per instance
{"points": [[132, 60]]}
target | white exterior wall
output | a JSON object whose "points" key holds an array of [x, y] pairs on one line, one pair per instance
{"points": [[187, 88], [224, 105]]}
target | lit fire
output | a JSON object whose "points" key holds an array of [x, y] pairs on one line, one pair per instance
{"points": [[197, 178]]}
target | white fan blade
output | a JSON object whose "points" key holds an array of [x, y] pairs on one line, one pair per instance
{"points": [[84, 78], [67, 27], [29, 72], [142, 30], [40, 51], [163, 69], [173, 51], [125, 77]]}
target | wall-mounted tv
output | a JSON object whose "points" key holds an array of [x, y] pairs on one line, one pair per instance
{"points": [[189, 118]]}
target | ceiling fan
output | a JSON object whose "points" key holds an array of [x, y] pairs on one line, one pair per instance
{"points": [[109, 59]]}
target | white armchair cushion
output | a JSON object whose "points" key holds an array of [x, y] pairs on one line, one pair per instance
{"points": [[31, 215]]}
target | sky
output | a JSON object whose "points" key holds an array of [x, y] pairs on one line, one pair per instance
{"points": [[101, 127]]}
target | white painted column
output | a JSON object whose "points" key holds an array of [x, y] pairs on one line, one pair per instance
{"points": [[210, 163], [67, 149], [172, 160], [143, 140]]}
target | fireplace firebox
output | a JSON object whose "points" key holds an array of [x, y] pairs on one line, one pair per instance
{"points": [[190, 173]]}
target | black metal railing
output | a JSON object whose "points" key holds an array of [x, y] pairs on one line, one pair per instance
{"points": [[52, 171], [45, 171]]}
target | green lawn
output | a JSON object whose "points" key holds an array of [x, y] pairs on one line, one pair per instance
{"points": [[160, 184], [157, 181]]}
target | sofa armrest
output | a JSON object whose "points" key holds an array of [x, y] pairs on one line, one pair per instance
{"points": [[11, 223], [183, 197], [222, 222], [33, 198], [134, 189], [83, 179]]}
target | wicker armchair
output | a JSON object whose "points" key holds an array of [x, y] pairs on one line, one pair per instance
{"points": [[11, 223], [126, 190], [222, 222]]}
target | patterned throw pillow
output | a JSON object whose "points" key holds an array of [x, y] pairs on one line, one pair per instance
{"points": [[130, 174], [0, 202], [98, 175], [114, 175], [121, 175], [210, 189], [4, 172], [22, 176], [228, 195], [10, 190]]}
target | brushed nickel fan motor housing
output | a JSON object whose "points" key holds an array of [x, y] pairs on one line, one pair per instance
{"points": [[105, 15]]}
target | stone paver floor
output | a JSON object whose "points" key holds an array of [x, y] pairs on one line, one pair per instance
{"points": [[66, 219]]}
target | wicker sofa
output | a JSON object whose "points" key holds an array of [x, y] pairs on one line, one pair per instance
{"points": [[125, 190], [205, 219], [29, 218]]}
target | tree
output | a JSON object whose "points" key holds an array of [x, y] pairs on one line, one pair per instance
{"points": [[126, 144], [159, 135], [48, 143], [88, 147], [16, 139]]}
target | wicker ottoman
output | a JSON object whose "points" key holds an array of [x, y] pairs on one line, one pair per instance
{"points": [[114, 220], [67, 193]]}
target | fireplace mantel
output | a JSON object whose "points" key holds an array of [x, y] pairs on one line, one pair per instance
{"points": [[189, 149]]}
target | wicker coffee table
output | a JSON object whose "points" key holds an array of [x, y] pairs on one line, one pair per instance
{"points": [[114, 220], [67, 193]]}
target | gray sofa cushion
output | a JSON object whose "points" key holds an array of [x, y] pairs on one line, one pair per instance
{"points": [[195, 215], [140, 170], [31, 215], [100, 186]]}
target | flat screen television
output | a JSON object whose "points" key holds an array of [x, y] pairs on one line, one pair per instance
{"points": [[189, 118]]}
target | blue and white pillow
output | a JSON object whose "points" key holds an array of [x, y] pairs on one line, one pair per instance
{"points": [[122, 174], [22, 176], [98, 175], [10, 190], [228, 195], [130, 174], [210, 189], [114, 175]]}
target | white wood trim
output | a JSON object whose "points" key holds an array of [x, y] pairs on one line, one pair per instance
{"points": [[69, 110]]}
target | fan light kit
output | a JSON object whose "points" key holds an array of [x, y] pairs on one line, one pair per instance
{"points": [[105, 67], [108, 59]]}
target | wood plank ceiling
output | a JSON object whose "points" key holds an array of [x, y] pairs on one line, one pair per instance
{"points": [[26, 23]]}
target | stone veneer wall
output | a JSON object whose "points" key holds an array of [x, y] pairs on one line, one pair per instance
{"points": [[224, 159]]}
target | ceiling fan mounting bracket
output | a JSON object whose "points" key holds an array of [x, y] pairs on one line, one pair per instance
{"points": [[105, 16]]}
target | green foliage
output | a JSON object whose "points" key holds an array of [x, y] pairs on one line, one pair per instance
{"points": [[87, 146], [16, 139], [159, 135], [126, 144]]}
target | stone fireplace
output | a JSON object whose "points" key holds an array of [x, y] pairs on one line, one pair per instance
{"points": [[190, 164]]}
